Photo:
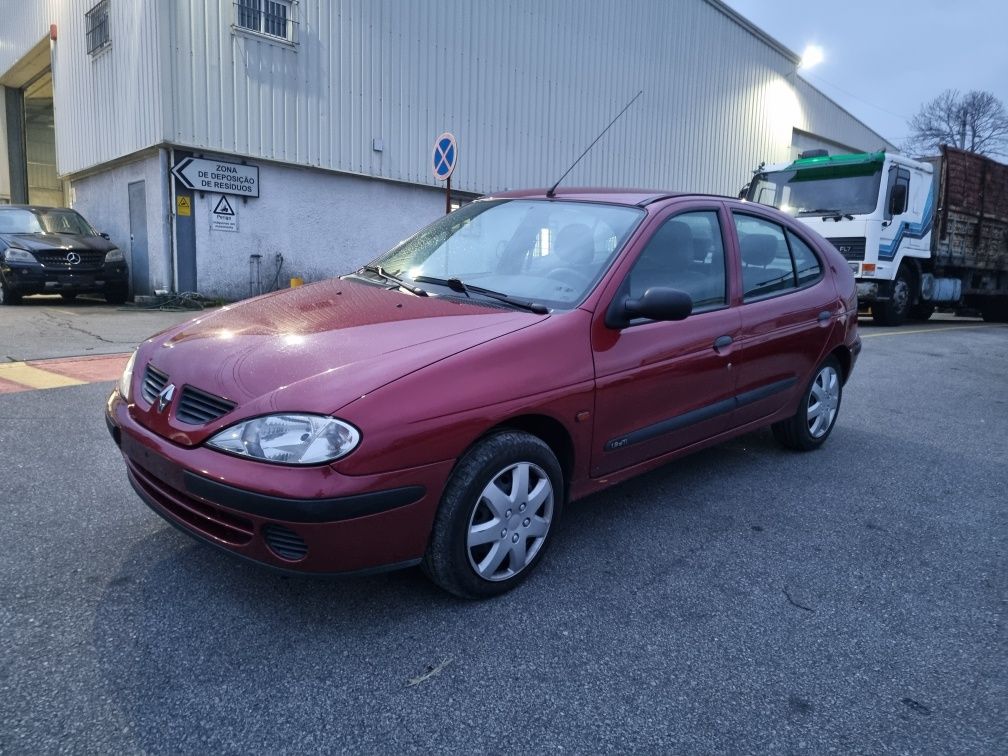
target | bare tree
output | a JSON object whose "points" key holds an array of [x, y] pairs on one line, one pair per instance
{"points": [[975, 122]]}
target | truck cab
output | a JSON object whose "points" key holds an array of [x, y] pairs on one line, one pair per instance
{"points": [[875, 208]]}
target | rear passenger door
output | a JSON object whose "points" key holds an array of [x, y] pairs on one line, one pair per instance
{"points": [[788, 312]]}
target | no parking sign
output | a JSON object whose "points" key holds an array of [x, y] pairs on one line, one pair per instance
{"points": [[445, 156]]}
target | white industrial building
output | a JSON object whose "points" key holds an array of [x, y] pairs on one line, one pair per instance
{"points": [[337, 105]]}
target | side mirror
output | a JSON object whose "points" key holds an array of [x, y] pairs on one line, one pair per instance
{"points": [[898, 199], [104, 236], [657, 303]]}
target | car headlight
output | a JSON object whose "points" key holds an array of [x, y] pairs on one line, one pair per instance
{"points": [[19, 255], [291, 439], [114, 255], [126, 379]]}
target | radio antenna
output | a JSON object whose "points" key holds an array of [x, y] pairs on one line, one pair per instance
{"points": [[552, 190]]}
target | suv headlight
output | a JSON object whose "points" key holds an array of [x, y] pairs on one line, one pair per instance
{"points": [[19, 255], [290, 439], [114, 255], [126, 379]]}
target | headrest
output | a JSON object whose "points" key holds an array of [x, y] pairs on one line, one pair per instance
{"points": [[675, 242], [575, 244], [758, 249]]}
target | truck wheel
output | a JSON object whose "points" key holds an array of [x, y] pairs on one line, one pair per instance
{"points": [[922, 311], [995, 312], [497, 516], [895, 311], [811, 425]]}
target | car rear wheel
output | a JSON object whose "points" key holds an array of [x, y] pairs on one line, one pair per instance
{"points": [[817, 412], [496, 517]]}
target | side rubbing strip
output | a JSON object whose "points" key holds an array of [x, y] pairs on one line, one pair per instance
{"points": [[698, 415]]}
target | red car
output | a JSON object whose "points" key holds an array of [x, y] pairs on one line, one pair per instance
{"points": [[442, 405]]}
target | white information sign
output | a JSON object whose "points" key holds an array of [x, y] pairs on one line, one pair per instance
{"points": [[223, 217], [218, 176]]}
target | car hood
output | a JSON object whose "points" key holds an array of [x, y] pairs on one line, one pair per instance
{"points": [[311, 349], [43, 242]]}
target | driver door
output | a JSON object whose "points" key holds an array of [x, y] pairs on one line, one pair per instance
{"points": [[663, 386]]}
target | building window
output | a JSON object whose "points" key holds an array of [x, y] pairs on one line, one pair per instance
{"points": [[271, 17], [97, 27]]}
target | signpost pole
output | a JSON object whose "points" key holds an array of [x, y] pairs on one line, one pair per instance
{"points": [[448, 196]]}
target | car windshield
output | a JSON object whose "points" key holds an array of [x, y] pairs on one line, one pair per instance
{"points": [[66, 222], [548, 252], [17, 221], [827, 190]]}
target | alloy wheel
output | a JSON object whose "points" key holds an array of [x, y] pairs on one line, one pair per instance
{"points": [[510, 521], [823, 402]]}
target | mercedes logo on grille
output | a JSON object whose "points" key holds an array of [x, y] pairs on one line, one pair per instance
{"points": [[73, 258]]}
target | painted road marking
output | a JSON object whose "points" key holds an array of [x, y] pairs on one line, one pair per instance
{"points": [[903, 332], [58, 373]]}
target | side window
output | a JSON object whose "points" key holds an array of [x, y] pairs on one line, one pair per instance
{"points": [[685, 253], [806, 263], [766, 261]]}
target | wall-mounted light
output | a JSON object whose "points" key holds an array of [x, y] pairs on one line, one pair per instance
{"points": [[812, 56]]}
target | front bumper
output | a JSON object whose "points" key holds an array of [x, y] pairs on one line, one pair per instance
{"points": [[29, 278], [310, 519], [869, 290]]}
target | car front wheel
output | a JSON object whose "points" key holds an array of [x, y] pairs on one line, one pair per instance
{"points": [[7, 295], [817, 412], [496, 517]]}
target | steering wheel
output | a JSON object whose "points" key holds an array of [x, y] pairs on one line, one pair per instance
{"points": [[573, 278]]}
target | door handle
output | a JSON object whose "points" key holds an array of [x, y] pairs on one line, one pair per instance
{"points": [[824, 316], [721, 342]]}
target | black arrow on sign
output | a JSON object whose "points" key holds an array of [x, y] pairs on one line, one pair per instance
{"points": [[177, 172]]}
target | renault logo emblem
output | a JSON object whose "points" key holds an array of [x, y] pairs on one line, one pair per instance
{"points": [[165, 397], [73, 258]]}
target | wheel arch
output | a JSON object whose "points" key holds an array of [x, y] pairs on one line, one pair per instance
{"points": [[547, 429], [844, 357]]}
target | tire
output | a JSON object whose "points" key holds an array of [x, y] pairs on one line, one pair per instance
{"points": [[7, 295], [486, 512], [116, 295], [68, 296], [922, 311], [995, 311], [807, 429], [894, 312]]}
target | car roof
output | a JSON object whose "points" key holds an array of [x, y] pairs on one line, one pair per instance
{"points": [[34, 208], [615, 196]]}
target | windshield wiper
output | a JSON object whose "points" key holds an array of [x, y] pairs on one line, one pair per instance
{"points": [[456, 284], [380, 271], [826, 212]]}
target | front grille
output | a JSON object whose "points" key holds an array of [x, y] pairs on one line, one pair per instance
{"points": [[197, 407], [153, 383], [198, 515], [57, 258], [851, 247], [284, 542]]}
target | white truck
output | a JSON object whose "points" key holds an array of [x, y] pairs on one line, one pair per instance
{"points": [[917, 234]]}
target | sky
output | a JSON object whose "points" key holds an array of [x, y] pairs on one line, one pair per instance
{"points": [[885, 58]]}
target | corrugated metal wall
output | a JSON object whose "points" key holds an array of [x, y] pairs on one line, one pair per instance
{"points": [[525, 85], [110, 104]]}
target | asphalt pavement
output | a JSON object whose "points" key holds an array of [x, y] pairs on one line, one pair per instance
{"points": [[745, 599]]}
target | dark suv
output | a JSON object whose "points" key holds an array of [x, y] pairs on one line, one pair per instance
{"points": [[53, 250]]}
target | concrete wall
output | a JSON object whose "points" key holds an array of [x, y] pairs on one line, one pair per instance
{"points": [[323, 224], [103, 198]]}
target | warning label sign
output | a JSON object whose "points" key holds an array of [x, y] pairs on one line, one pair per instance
{"points": [[183, 205], [223, 217]]}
